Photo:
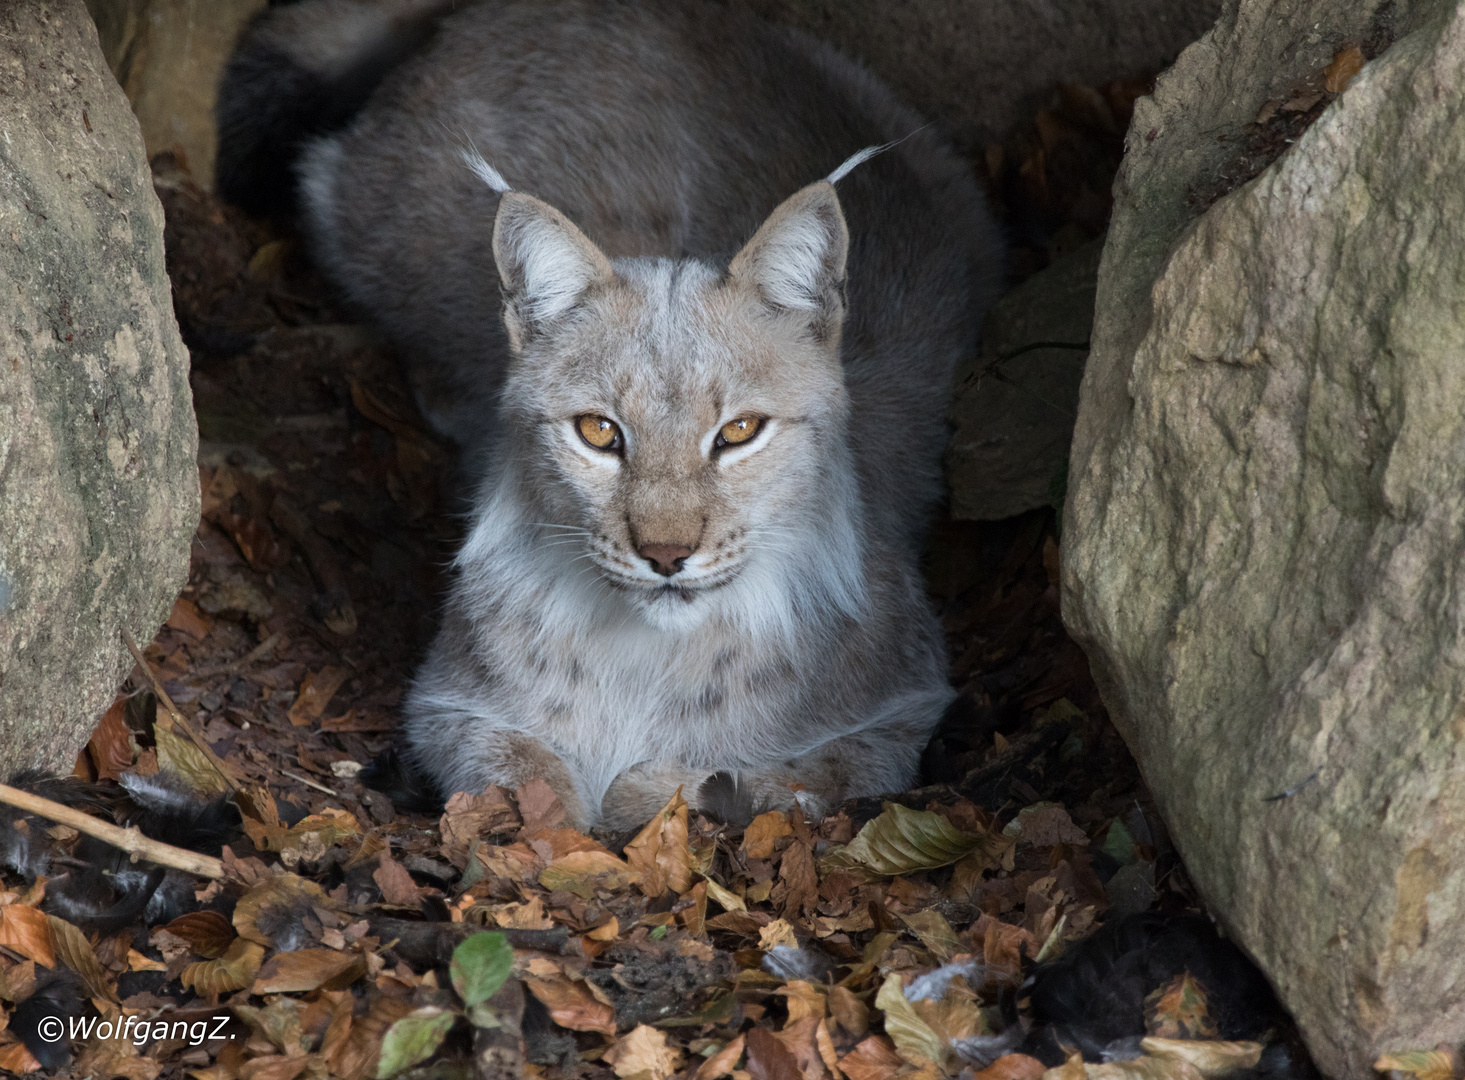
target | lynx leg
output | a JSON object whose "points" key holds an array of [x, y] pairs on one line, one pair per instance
{"points": [[636, 794]]}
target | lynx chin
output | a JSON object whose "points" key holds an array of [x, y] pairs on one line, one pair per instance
{"points": [[700, 391]]}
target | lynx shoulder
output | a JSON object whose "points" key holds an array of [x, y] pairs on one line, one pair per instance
{"points": [[703, 390]]}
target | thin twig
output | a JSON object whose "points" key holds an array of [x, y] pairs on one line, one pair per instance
{"points": [[129, 840], [177, 717], [309, 783]]}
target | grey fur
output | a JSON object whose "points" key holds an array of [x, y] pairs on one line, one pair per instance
{"points": [[798, 650]]}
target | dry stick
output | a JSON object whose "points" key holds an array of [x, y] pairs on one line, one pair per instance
{"points": [[177, 717], [129, 840]]}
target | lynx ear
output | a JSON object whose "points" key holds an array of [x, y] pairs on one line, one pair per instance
{"points": [[796, 259], [545, 264]]}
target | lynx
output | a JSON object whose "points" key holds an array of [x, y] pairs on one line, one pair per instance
{"points": [[701, 390]]}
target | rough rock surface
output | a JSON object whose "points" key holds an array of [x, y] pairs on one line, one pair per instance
{"points": [[1262, 545], [98, 486], [980, 66], [1013, 418], [168, 55]]}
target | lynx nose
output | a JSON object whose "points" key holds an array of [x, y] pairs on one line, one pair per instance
{"points": [[665, 559]]}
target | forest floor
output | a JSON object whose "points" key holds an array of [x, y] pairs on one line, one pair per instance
{"points": [[694, 948]]}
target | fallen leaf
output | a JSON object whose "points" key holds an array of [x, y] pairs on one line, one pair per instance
{"points": [[1013, 1067], [763, 832], [1141, 1068], [279, 902], [540, 807], [395, 882], [185, 616], [778, 932], [234, 970], [109, 747], [571, 1005], [304, 970], [1211, 1058], [530, 915], [801, 1038], [872, 1059], [901, 840], [75, 951], [769, 1058], [644, 1050], [582, 872], [848, 1011], [27, 930], [914, 1039], [315, 694], [1425, 1064], [1179, 1010], [804, 999], [797, 891], [1346, 64], [413, 1038], [1045, 824], [1072, 1069], [179, 754], [721, 1063], [935, 933], [729, 900], [207, 933], [480, 966], [136, 961], [660, 852], [15, 1058], [469, 818]]}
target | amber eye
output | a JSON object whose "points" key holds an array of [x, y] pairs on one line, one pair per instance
{"points": [[600, 432], [737, 431]]}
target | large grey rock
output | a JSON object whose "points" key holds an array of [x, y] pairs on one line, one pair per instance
{"points": [[1014, 407], [1264, 543], [979, 67], [98, 486]]}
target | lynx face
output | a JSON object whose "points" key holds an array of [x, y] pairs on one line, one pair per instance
{"points": [[684, 425]]}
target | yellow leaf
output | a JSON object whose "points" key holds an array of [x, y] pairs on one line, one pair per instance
{"points": [[902, 840], [804, 999], [778, 932], [1211, 1058], [582, 872], [644, 1050], [27, 930], [763, 831], [729, 900], [913, 1037], [1425, 1064], [234, 970], [179, 754], [721, 1063]]}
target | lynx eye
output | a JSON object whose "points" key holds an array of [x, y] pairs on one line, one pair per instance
{"points": [[600, 432], [736, 431]]}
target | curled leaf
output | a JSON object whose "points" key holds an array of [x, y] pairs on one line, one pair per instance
{"points": [[914, 1039], [1211, 1058], [901, 841], [234, 970]]}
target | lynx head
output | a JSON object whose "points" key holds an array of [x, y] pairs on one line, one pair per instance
{"points": [[686, 424]]}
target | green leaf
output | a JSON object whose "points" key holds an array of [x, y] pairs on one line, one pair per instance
{"points": [[914, 1039], [1119, 844], [412, 1039], [480, 966], [901, 841]]}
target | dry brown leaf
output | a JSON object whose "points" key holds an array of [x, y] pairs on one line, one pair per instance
{"points": [[207, 933], [935, 933], [1013, 1067], [1212, 1058], [660, 852], [540, 807], [956, 1016], [395, 882], [1424, 1064], [15, 1058], [872, 1059], [179, 754], [315, 694], [769, 1058], [115, 1058], [304, 970], [1045, 824], [729, 900], [469, 818], [280, 899], [643, 1050], [797, 890], [75, 951], [530, 915], [512, 862], [234, 970], [109, 747], [27, 930], [802, 1041], [1072, 1069], [1142, 1068], [185, 616], [1179, 1010], [571, 1005], [763, 832], [915, 1040], [778, 932], [1346, 64], [849, 1012], [582, 872], [136, 961], [827, 1051], [721, 1063]]}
